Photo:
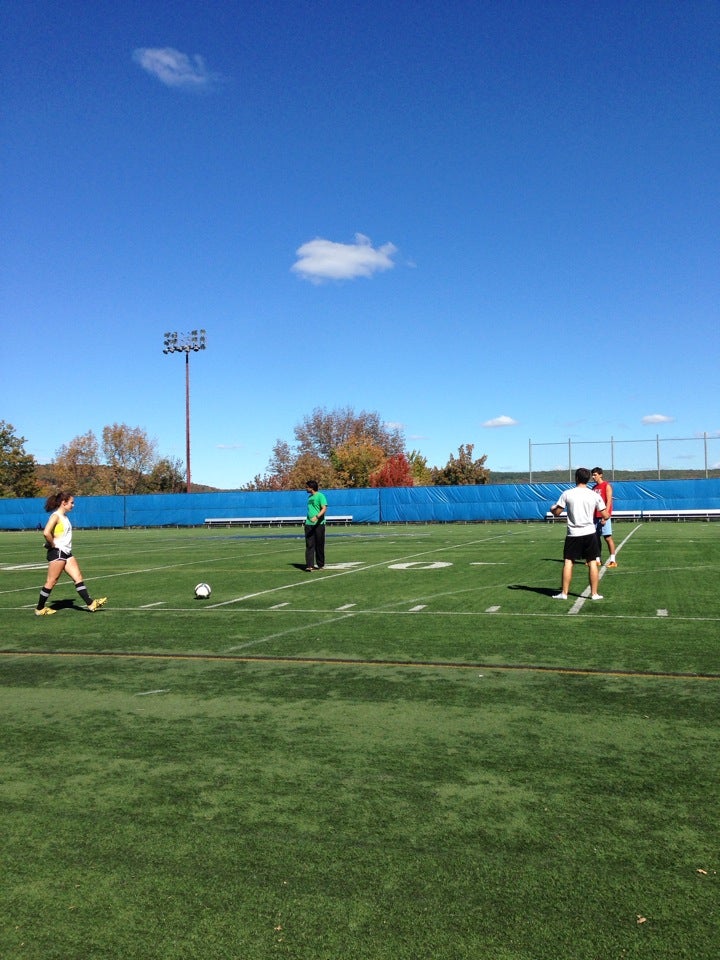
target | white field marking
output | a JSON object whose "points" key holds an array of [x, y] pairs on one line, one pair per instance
{"points": [[285, 603], [585, 595], [345, 573], [492, 609], [158, 603], [662, 613], [164, 566], [150, 693], [7, 568], [343, 566], [384, 612], [347, 606], [420, 606], [420, 565], [286, 633]]}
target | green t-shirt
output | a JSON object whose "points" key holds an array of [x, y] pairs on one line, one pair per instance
{"points": [[315, 504]]}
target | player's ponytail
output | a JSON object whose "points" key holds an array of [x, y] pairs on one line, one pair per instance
{"points": [[55, 499]]}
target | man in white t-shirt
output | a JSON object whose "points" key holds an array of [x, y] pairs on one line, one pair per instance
{"points": [[580, 503]]}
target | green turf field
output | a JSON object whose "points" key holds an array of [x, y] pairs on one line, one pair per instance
{"points": [[414, 753]]}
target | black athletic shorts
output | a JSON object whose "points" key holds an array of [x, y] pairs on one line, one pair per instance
{"points": [[54, 554], [581, 548]]}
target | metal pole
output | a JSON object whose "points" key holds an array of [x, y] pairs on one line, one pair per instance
{"points": [[570, 459], [706, 456], [183, 343], [530, 460], [657, 444], [187, 417], [612, 458]]}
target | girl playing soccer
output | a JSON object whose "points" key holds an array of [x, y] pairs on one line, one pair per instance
{"points": [[58, 543]]}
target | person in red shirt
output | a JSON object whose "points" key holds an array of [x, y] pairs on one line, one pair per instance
{"points": [[604, 527]]}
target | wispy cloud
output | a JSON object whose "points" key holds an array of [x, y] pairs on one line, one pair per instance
{"points": [[321, 260], [173, 68], [657, 418], [501, 422]]}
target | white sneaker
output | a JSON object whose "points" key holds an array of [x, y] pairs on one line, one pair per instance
{"points": [[596, 596], [559, 596]]}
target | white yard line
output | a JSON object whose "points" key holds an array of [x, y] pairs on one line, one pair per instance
{"points": [[319, 577], [585, 595], [286, 633]]}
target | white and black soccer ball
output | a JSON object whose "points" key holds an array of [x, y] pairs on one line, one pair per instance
{"points": [[202, 591]]}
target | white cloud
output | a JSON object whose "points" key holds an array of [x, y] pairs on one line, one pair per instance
{"points": [[501, 422], [320, 260], [657, 418], [173, 68]]}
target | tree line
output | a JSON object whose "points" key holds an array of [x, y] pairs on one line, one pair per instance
{"points": [[342, 448], [338, 448], [124, 461]]}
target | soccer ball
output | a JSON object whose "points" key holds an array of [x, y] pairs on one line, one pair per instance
{"points": [[202, 591]]}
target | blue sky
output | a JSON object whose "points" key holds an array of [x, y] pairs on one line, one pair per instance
{"points": [[488, 222]]}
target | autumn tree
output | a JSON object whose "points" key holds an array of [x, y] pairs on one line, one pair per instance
{"points": [[462, 470], [324, 431], [338, 448], [77, 465], [394, 472], [356, 459], [17, 467], [129, 455]]}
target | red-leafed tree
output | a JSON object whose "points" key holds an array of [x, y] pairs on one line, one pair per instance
{"points": [[395, 472]]}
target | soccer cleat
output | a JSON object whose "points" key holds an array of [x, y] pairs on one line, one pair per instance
{"points": [[559, 596], [45, 612], [612, 563], [96, 604], [596, 596]]}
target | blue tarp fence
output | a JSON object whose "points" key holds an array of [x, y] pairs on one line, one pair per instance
{"points": [[467, 504]]}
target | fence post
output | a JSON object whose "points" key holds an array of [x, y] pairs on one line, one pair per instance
{"points": [[530, 460]]}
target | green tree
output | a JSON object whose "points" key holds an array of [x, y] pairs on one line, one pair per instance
{"points": [[17, 467], [462, 470], [166, 477], [421, 472]]}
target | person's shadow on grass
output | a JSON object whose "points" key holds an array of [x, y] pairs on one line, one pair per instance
{"points": [[543, 591]]}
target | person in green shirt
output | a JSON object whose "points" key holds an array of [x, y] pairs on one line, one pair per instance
{"points": [[315, 527]]}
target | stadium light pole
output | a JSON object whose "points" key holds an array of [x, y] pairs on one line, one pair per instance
{"points": [[185, 343]]}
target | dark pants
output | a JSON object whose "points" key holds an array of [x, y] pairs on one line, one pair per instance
{"points": [[315, 545]]}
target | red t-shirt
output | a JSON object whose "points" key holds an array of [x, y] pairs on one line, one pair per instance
{"points": [[601, 488]]}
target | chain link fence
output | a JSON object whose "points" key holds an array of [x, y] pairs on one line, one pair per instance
{"points": [[659, 458]]}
